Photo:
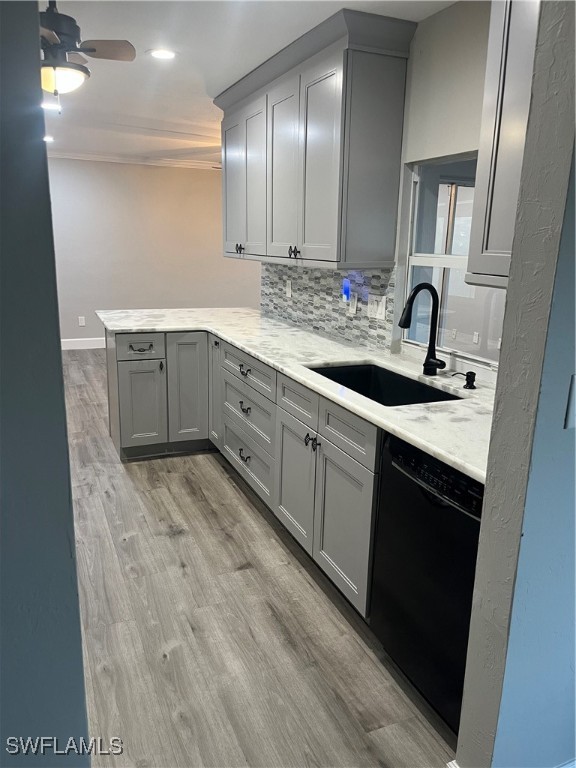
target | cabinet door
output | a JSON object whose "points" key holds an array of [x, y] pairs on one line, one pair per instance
{"points": [[508, 85], [215, 403], [255, 149], [320, 155], [234, 181], [142, 394], [295, 478], [343, 522], [187, 361], [282, 188]]}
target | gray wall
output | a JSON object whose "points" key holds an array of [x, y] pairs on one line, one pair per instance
{"points": [[536, 720], [42, 691], [130, 236], [445, 82]]}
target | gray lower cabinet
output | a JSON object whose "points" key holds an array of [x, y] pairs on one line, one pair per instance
{"points": [[187, 362], [214, 391], [343, 518], [253, 412], [295, 478], [254, 464], [142, 402]]}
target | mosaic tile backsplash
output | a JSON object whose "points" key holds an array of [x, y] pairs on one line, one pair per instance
{"points": [[317, 304]]}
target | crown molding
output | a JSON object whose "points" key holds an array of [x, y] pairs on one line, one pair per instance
{"points": [[355, 29], [168, 162]]}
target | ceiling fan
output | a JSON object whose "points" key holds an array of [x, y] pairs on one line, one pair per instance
{"points": [[64, 66]]}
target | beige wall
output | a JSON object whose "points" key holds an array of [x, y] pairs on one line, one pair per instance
{"points": [[445, 82], [129, 236]]}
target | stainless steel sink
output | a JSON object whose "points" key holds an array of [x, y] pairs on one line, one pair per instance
{"points": [[383, 386]]}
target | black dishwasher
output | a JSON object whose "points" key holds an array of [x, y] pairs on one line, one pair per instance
{"points": [[423, 575]]}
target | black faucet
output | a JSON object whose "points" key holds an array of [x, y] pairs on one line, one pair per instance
{"points": [[431, 362]]}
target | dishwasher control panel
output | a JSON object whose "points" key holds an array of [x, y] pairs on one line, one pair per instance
{"points": [[433, 475]]}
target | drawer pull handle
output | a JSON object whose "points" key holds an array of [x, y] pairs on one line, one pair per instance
{"points": [[245, 459], [141, 350], [161, 366], [244, 410], [244, 372], [307, 438], [315, 444]]}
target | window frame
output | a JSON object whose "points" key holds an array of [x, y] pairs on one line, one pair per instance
{"points": [[441, 261]]}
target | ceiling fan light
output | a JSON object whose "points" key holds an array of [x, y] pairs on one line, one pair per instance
{"points": [[162, 53], [64, 77]]}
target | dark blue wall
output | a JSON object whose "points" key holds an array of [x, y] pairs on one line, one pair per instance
{"points": [[41, 677], [536, 721]]}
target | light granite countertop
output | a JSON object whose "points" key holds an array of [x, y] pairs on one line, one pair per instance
{"points": [[456, 431]]}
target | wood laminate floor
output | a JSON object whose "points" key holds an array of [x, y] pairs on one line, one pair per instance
{"points": [[209, 639]]}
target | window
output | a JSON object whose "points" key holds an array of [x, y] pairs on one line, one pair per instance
{"points": [[471, 317]]}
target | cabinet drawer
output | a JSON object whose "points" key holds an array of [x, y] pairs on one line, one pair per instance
{"points": [[140, 346], [253, 412], [356, 437], [258, 375], [252, 462], [298, 400]]}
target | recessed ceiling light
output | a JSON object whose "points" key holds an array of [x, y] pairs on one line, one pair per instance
{"points": [[162, 53], [51, 106], [48, 139]]}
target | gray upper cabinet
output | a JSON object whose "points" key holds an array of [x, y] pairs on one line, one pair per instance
{"points": [[142, 402], [319, 157], [343, 522], [234, 182], [283, 176], [507, 91], [214, 391], [187, 362], [295, 478], [244, 179], [333, 141]]}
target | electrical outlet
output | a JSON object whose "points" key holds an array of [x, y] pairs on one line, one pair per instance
{"points": [[81, 321], [373, 304], [382, 308], [454, 333], [353, 305], [476, 337], [288, 289]]}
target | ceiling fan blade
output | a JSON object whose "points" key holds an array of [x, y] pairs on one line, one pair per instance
{"points": [[117, 50], [49, 35], [77, 58]]}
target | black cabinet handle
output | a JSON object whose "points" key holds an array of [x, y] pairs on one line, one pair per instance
{"points": [[141, 350], [161, 365], [239, 248], [245, 459], [290, 252], [244, 410], [244, 372], [315, 444], [295, 252], [307, 438]]}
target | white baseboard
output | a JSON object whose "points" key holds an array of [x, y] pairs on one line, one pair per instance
{"points": [[95, 343]]}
